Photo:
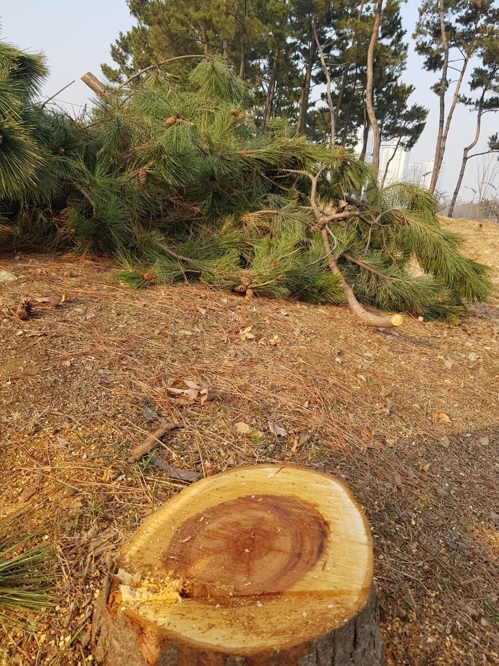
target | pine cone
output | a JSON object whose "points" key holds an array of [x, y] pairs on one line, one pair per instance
{"points": [[24, 310], [142, 176], [237, 114]]}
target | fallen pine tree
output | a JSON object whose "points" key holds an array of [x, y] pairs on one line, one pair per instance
{"points": [[174, 178]]}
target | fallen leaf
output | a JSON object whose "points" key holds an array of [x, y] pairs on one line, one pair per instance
{"points": [[64, 297], [473, 356], [442, 416], [276, 340], [448, 364], [277, 430], [50, 301], [175, 391], [192, 385], [445, 442], [245, 334], [484, 441], [191, 394]]}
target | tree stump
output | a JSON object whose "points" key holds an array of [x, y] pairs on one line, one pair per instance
{"points": [[263, 565]]}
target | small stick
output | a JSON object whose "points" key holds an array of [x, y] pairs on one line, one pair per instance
{"points": [[151, 441], [55, 94]]}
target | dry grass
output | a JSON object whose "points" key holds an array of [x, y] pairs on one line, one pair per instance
{"points": [[354, 401]]}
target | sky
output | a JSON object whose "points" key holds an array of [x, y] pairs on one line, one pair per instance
{"points": [[76, 37]]}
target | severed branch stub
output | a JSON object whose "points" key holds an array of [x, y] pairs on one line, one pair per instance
{"points": [[259, 566], [94, 84]]}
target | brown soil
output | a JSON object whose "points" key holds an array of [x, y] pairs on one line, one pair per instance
{"points": [[409, 419]]}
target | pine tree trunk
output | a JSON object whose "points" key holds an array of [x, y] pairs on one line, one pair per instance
{"points": [[269, 102], [242, 43], [443, 137], [332, 116], [441, 95], [305, 92], [369, 86], [205, 40], [365, 139], [242, 64], [259, 566], [466, 151]]}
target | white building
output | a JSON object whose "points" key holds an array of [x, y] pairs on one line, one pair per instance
{"points": [[392, 163], [419, 173]]}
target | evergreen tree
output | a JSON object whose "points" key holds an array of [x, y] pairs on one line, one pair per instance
{"points": [[448, 34], [173, 177], [345, 46], [21, 76]]}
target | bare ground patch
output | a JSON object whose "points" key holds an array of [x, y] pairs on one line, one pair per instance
{"points": [[408, 418]]}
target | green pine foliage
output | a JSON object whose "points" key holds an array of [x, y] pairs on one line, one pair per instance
{"points": [[20, 78], [27, 571], [174, 178]]}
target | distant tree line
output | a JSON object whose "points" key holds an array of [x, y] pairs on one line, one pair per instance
{"points": [[286, 48]]}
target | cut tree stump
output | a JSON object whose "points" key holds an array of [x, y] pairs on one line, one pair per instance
{"points": [[263, 565]]}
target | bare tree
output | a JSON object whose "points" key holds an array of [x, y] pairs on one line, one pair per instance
{"points": [[486, 172]]}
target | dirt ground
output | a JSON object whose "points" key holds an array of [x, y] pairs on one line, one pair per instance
{"points": [[408, 418]]}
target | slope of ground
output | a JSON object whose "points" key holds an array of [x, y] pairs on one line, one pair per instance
{"points": [[409, 419]]}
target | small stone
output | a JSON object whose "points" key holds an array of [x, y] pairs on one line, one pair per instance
{"points": [[5, 276]]}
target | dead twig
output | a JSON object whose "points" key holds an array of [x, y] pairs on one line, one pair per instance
{"points": [[151, 441]]}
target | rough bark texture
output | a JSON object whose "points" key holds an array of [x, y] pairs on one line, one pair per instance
{"points": [[466, 151], [441, 95], [269, 100], [357, 643], [265, 565], [369, 86], [330, 103]]}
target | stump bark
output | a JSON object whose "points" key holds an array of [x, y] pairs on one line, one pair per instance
{"points": [[264, 565]]}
